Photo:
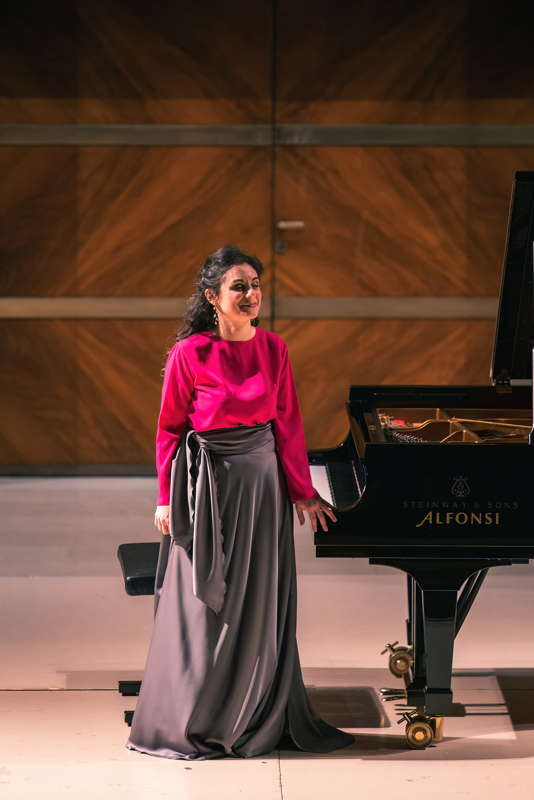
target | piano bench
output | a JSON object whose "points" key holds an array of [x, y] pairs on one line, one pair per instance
{"points": [[138, 563]]}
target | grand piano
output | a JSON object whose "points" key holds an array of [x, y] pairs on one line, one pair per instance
{"points": [[437, 481]]}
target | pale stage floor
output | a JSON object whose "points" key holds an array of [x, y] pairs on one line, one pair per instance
{"points": [[70, 632]]}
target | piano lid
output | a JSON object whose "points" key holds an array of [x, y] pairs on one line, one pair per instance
{"points": [[514, 337]]}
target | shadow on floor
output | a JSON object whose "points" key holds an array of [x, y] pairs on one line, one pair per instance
{"points": [[348, 706], [517, 688]]}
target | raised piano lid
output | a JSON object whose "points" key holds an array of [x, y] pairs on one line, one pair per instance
{"points": [[514, 337]]}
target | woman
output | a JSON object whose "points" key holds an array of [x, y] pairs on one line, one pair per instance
{"points": [[223, 676]]}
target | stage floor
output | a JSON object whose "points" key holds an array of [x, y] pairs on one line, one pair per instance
{"points": [[69, 633]]}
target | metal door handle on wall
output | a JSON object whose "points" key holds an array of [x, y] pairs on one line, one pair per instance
{"points": [[286, 225]]}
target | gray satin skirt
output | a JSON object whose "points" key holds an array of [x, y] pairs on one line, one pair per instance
{"points": [[222, 676]]}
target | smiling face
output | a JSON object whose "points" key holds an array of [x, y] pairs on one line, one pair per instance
{"points": [[240, 295]]}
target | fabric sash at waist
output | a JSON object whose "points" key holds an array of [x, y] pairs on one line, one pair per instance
{"points": [[194, 517]]}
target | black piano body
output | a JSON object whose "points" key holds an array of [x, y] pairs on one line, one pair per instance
{"points": [[437, 481], [432, 498]]}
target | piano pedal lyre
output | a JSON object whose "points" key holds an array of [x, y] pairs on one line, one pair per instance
{"points": [[421, 729], [400, 659]]}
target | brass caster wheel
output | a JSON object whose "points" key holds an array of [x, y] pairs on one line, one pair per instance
{"points": [[400, 662], [400, 659], [419, 733]]}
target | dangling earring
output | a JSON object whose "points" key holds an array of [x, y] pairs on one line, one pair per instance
{"points": [[215, 317]]}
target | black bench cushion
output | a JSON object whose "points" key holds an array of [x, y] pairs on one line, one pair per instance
{"points": [[138, 563]]}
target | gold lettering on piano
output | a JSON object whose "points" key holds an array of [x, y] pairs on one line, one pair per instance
{"points": [[461, 505], [461, 518]]}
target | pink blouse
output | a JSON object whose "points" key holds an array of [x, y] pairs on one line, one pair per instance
{"points": [[211, 382]]}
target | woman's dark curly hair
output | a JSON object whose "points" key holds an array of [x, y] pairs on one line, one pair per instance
{"points": [[199, 311]]}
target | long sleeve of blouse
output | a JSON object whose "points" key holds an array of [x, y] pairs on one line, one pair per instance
{"points": [[176, 394], [289, 435], [211, 382]]}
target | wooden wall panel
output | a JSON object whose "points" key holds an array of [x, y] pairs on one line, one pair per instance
{"points": [[330, 355], [204, 62], [127, 221], [80, 392], [420, 61], [39, 401], [399, 221], [116, 62], [38, 229]]}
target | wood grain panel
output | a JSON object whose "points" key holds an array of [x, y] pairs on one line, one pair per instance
{"points": [[119, 387], [328, 356], [79, 392], [127, 221], [418, 61], [39, 401], [110, 61], [399, 221], [38, 228]]}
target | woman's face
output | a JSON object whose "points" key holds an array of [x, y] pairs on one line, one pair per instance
{"points": [[240, 294]]}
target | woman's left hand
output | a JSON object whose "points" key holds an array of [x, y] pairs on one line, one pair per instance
{"points": [[316, 508]]}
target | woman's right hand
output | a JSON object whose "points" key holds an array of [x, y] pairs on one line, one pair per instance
{"points": [[161, 519]]}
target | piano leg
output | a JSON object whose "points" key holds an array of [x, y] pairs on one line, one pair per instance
{"points": [[417, 686], [433, 606], [439, 624]]}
